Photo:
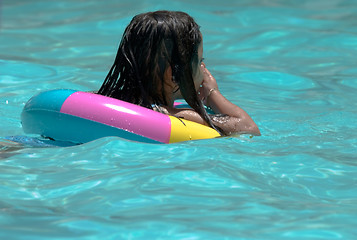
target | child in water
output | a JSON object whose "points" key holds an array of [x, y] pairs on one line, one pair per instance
{"points": [[160, 59]]}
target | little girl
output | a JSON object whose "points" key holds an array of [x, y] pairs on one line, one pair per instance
{"points": [[160, 60]]}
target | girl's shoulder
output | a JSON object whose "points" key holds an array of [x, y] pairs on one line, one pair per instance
{"points": [[185, 113]]}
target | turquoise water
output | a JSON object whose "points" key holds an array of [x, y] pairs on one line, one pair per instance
{"points": [[290, 64]]}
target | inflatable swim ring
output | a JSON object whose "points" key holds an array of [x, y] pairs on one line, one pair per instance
{"points": [[80, 117]]}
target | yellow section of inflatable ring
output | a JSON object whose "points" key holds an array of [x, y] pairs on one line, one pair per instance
{"points": [[184, 130]]}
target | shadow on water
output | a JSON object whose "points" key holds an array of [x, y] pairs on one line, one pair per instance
{"points": [[9, 148], [12, 145]]}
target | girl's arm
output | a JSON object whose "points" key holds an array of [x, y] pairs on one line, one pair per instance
{"points": [[234, 119], [229, 117]]}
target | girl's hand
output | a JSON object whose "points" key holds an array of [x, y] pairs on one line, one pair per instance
{"points": [[208, 85], [236, 119]]}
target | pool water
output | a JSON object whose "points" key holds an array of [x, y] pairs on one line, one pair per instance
{"points": [[290, 64]]}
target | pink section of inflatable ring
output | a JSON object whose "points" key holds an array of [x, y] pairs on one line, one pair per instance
{"points": [[119, 114]]}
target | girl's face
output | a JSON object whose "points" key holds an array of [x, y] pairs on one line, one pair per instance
{"points": [[198, 74]]}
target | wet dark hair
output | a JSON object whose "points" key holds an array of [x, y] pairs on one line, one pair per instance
{"points": [[152, 42]]}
